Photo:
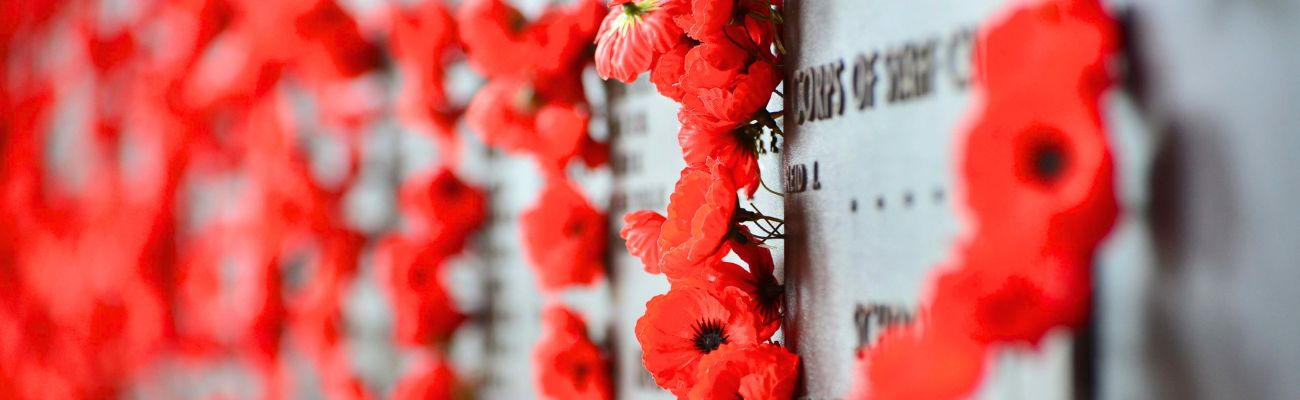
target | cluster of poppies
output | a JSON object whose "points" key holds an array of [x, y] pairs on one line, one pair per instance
{"points": [[1037, 181], [710, 336], [113, 126], [534, 105], [188, 207]]}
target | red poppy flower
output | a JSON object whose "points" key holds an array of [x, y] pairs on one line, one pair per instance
{"points": [[443, 208], [563, 35], [641, 231], [668, 69], [684, 325], [429, 378], [495, 37], [758, 282], [501, 42], [567, 364], [564, 237], [698, 221], [632, 35], [594, 154], [1037, 152], [746, 23], [763, 372], [734, 148], [1035, 155], [519, 117], [335, 47], [503, 113], [424, 312], [1012, 291], [916, 363], [561, 130], [420, 38], [723, 88]]}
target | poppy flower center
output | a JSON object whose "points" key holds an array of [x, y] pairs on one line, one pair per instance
{"points": [[769, 298], [527, 101], [632, 12], [1049, 160], [516, 21], [709, 335], [575, 228], [1043, 156], [580, 373], [630, 9], [417, 277], [448, 189]]}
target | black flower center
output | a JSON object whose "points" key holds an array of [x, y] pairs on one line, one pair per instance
{"points": [[769, 298], [575, 228], [580, 373], [1049, 161], [709, 335]]}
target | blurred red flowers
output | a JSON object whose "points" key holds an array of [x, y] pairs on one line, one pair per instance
{"points": [[567, 364], [564, 237], [428, 379], [1036, 155], [425, 313]]}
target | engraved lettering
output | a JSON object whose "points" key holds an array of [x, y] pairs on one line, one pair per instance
{"points": [[895, 63], [911, 71], [802, 97], [923, 63], [836, 72], [960, 51], [871, 318], [864, 81], [796, 178], [816, 180]]}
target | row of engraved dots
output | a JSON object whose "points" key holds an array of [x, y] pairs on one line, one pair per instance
{"points": [[908, 199]]}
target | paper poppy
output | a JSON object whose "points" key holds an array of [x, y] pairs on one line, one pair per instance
{"points": [[1037, 153], [761, 372], [758, 282], [735, 149], [746, 23], [724, 86], [668, 68], [421, 37], [564, 237], [495, 37], [632, 35], [641, 232], [429, 378], [441, 207], [567, 365], [909, 362], [698, 221], [424, 313], [516, 115], [685, 324], [562, 36]]}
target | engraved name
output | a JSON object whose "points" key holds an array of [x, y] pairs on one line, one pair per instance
{"points": [[905, 72]]}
